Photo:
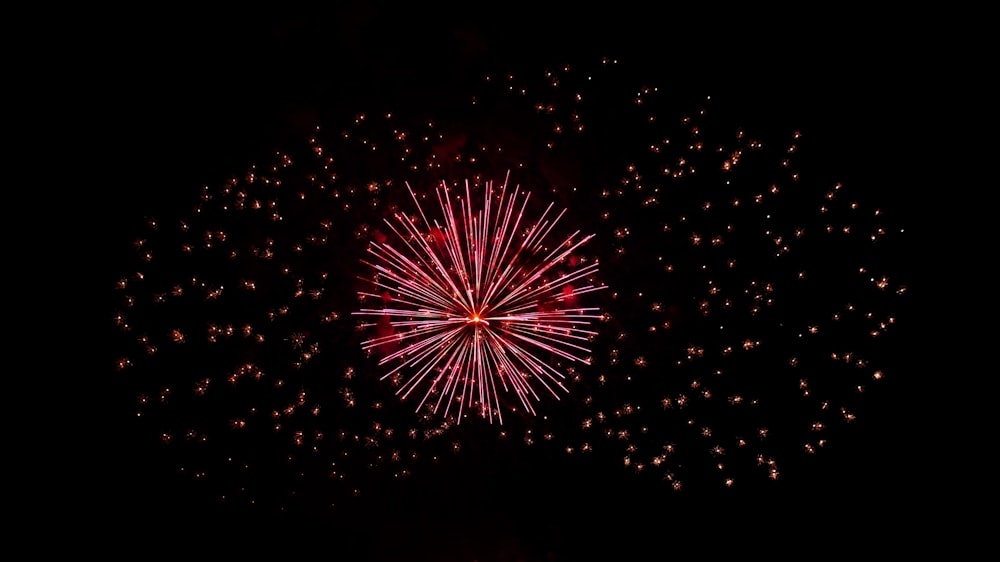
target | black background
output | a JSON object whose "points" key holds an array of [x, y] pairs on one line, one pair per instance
{"points": [[186, 98]]}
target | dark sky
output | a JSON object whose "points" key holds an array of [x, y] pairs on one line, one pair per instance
{"points": [[189, 99]]}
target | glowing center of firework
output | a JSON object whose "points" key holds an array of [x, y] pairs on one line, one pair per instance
{"points": [[476, 319], [440, 277]]}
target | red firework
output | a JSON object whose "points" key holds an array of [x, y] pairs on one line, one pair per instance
{"points": [[481, 304]]}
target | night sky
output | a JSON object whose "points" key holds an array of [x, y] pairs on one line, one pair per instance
{"points": [[193, 101]]}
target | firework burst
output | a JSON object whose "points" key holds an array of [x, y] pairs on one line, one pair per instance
{"points": [[749, 318], [478, 305]]}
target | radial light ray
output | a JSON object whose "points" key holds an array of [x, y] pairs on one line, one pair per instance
{"points": [[477, 297]]}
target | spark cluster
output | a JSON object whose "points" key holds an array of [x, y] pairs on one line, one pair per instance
{"points": [[748, 298]]}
